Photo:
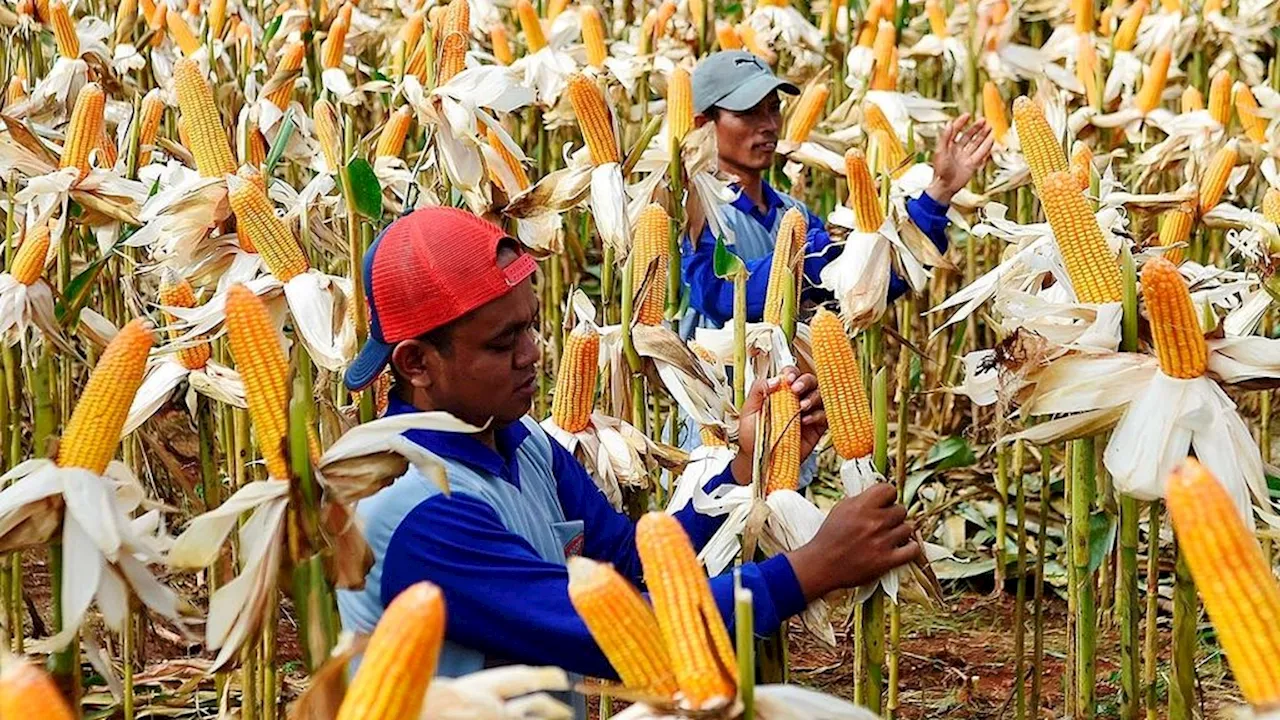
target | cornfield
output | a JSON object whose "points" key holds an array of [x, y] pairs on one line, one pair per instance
{"points": [[1073, 400]]}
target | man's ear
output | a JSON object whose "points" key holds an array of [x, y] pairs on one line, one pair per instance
{"points": [[700, 120], [416, 362]]}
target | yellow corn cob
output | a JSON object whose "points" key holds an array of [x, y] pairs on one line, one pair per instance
{"points": [[889, 153], [183, 137], [457, 24], [328, 134], [84, 130], [1191, 99], [1255, 127], [391, 139], [575, 392], [993, 109], [193, 7], [1176, 228], [1093, 270], [874, 118], [665, 11], [727, 37], [1220, 97], [1212, 6], [148, 8], [1082, 164], [1083, 16], [863, 198], [151, 113], [1127, 34], [692, 628], [1214, 180], [783, 472], [1233, 576], [708, 437], [937, 18], [1042, 150], [1153, 81], [209, 143], [64, 31], [531, 25], [870, 26], [26, 691], [1175, 332], [107, 154], [336, 41], [884, 50], [679, 104], [287, 67], [508, 159], [593, 37], [808, 110], [453, 57], [255, 151], [756, 45], [843, 394], [502, 44], [15, 92], [646, 31], [264, 368], [217, 17], [157, 22], [256, 219], [28, 262], [594, 119], [181, 35], [1271, 205], [554, 8], [417, 63], [623, 625], [92, 435], [411, 31], [1087, 70], [651, 248], [400, 659], [175, 291], [783, 275], [1105, 21]]}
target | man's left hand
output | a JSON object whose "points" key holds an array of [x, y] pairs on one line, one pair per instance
{"points": [[813, 417], [963, 148]]}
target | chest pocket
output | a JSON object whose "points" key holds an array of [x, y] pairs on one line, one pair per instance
{"points": [[571, 537]]}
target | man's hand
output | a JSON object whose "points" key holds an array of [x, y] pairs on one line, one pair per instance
{"points": [[862, 538], [813, 418], [963, 149]]}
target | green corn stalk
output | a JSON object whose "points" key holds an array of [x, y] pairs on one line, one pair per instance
{"points": [[1127, 588], [1020, 606], [1083, 478], [1182, 681], [873, 615], [744, 623]]}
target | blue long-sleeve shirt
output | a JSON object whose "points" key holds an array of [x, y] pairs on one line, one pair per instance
{"points": [[712, 296]]}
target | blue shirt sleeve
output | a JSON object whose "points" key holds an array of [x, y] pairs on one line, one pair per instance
{"points": [[712, 296], [931, 217]]}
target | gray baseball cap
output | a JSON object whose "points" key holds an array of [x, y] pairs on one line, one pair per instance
{"points": [[734, 80]]}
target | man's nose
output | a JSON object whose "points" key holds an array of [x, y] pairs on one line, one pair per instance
{"points": [[528, 352]]}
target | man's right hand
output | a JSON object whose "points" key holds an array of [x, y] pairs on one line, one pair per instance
{"points": [[862, 538]]}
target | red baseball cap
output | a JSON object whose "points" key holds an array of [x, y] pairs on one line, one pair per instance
{"points": [[426, 269]]}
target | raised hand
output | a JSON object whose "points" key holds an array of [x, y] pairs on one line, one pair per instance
{"points": [[963, 148]]}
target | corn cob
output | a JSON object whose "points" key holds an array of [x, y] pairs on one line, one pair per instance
{"points": [[257, 222], [106, 147], [181, 35], [1233, 576], [575, 392], [209, 143], [593, 37], [1082, 164], [1127, 34], [692, 628], [217, 17], [64, 30], [147, 7], [183, 137], [708, 437], [1083, 16], [1213, 183], [1153, 81], [808, 110], [26, 691], [151, 113], [1212, 6], [624, 626], [1175, 332], [328, 134], [400, 659], [28, 262], [84, 130], [391, 139], [16, 92], [411, 31], [1220, 97], [264, 368], [993, 109], [756, 45], [843, 393], [1042, 150], [335, 42], [1176, 228], [937, 18], [594, 119], [554, 8], [531, 25], [1255, 127], [417, 63], [663, 18], [193, 7], [453, 57], [92, 435], [175, 291], [727, 37], [1105, 21], [890, 156], [509, 159], [502, 44], [870, 26], [783, 472], [1271, 205], [863, 198], [787, 248], [158, 22], [1093, 270], [679, 104], [646, 31], [1087, 70], [1191, 100], [652, 255], [885, 53], [287, 67]]}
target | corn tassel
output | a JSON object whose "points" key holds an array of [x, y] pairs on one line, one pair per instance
{"points": [[783, 472], [1094, 273], [29, 261], [91, 437], [1220, 97], [937, 18], [1255, 127], [594, 119], [727, 37], [509, 159], [27, 691], [1127, 34], [151, 113], [501, 44], [328, 133], [208, 139], [1213, 183], [783, 275], [575, 391], [651, 250], [264, 368], [400, 660], [534, 39], [1176, 229], [1082, 164], [256, 219], [623, 625], [863, 198], [694, 632], [1175, 331], [808, 111], [1191, 99], [993, 109], [64, 30], [84, 130], [181, 35], [1153, 81], [1039, 144], [279, 89], [175, 291], [843, 393]]}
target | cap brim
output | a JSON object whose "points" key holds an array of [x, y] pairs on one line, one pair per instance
{"points": [[368, 365], [749, 94]]}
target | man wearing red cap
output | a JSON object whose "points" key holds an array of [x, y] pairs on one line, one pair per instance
{"points": [[454, 315]]}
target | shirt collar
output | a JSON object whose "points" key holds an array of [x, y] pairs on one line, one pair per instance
{"points": [[463, 447], [748, 206]]}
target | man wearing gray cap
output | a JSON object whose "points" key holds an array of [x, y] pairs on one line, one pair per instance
{"points": [[737, 91]]}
